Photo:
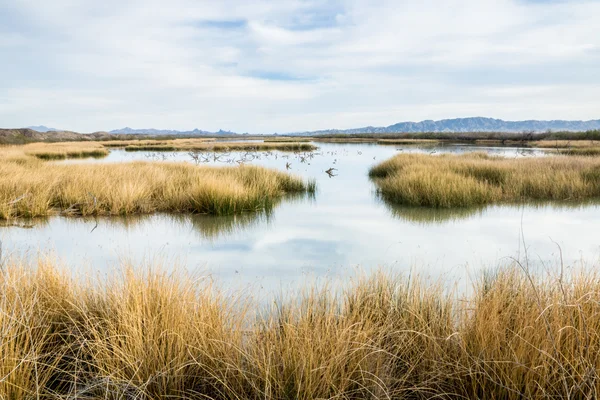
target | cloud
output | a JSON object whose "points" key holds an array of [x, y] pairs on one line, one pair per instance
{"points": [[294, 64]]}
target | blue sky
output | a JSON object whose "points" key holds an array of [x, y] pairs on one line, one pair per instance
{"points": [[294, 65]]}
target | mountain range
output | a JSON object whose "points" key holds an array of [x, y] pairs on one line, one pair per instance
{"points": [[42, 128], [472, 124]]}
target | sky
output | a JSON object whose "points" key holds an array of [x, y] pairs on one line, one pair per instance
{"points": [[294, 65]]}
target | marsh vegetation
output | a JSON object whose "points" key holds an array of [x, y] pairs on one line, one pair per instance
{"points": [[34, 188], [477, 178], [148, 332], [225, 146], [63, 150]]}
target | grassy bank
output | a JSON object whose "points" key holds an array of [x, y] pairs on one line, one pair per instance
{"points": [[64, 150], [580, 151], [287, 139], [476, 178], [125, 143], [145, 333], [204, 145], [34, 188], [408, 141]]}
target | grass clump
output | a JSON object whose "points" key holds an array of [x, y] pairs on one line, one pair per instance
{"points": [[65, 150], [225, 146], [32, 188], [287, 139], [145, 333], [408, 141], [478, 179], [581, 151], [149, 148]]}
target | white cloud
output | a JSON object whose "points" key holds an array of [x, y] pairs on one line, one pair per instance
{"points": [[294, 65]]}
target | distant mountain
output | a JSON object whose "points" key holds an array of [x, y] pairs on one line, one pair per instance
{"points": [[42, 128], [198, 132], [474, 124]]}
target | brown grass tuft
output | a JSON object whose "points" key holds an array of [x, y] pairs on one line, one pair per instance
{"points": [[476, 179], [32, 188], [145, 333], [61, 151]]}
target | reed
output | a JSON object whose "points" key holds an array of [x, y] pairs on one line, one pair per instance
{"points": [[408, 141], [125, 143], [287, 139], [225, 146], [580, 151], [64, 150], [147, 333], [477, 179], [562, 144], [33, 188]]}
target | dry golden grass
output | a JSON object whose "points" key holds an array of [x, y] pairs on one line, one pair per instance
{"points": [[580, 151], [408, 141], [561, 144], [476, 179], [146, 142], [144, 333], [375, 139], [64, 150], [287, 139], [204, 145], [34, 188], [344, 140]]}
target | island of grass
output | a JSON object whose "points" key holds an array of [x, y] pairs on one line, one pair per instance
{"points": [[63, 150], [30, 187], [477, 179], [287, 139], [154, 333], [203, 145]]}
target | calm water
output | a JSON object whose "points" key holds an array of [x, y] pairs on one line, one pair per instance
{"points": [[344, 228]]}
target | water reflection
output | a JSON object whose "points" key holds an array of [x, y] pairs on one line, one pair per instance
{"points": [[431, 216], [436, 216]]}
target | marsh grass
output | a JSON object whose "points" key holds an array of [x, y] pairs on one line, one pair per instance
{"points": [[478, 179], [408, 141], [344, 139], [64, 150], [562, 144], [150, 148], [581, 151], [287, 139], [145, 333], [156, 142], [203, 145], [375, 139], [34, 188]]}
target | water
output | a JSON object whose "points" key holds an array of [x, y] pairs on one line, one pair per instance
{"points": [[345, 227]]}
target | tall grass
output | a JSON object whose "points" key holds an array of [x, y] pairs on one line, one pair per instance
{"points": [[561, 144], [155, 142], [32, 188], [581, 151], [144, 333], [287, 139], [64, 150], [203, 145], [477, 178]]}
